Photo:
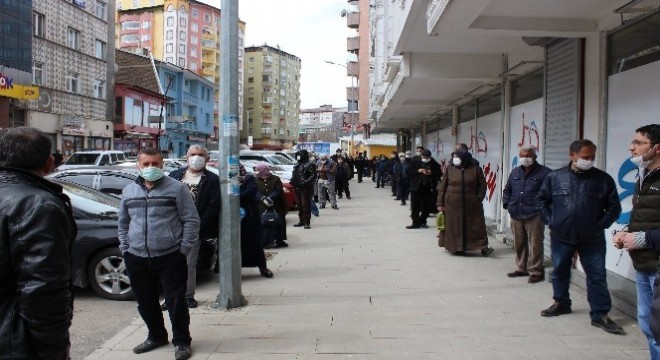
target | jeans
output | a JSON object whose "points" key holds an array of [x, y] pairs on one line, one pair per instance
{"points": [[147, 275], [314, 208], [592, 258], [644, 299]]}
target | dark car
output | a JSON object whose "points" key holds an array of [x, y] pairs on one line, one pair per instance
{"points": [[112, 180]]}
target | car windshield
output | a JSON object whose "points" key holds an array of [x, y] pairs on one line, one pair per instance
{"points": [[82, 159], [89, 202], [279, 160]]}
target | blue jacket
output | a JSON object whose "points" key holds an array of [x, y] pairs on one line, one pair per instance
{"points": [[519, 195], [578, 206]]}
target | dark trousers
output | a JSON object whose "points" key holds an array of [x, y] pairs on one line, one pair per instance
{"points": [[395, 186], [592, 258], [341, 186], [147, 275], [419, 206], [303, 199], [360, 173], [404, 189]]}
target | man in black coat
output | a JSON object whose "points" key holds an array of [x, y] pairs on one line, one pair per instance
{"points": [[37, 231], [205, 189], [424, 173], [302, 180]]}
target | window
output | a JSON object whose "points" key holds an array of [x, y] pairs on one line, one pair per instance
{"points": [[182, 62], [182, 49], [101, 10], [193, 39], [250, 59], [169, 35], [146, 24], [135, 3], [182, 35], [193, 13], [182, 22], [99, 49], [146, 37], [169, 48], [130, 38], [194, 27], [207, 18], [193, 66], [73, 38], [38, 24], [170, 21], [72, 82], [193, 52], [250, 70], [250, 79], [170, 60], [130, 25], [37, 73], [99, 89]]}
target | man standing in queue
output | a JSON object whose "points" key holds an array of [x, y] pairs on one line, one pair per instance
{"points": [[302, 180], [424, 173], [158, 227]]}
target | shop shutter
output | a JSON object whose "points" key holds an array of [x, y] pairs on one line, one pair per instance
{"points": [[563, 96]]}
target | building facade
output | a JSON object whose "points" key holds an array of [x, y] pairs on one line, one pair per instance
{"points": [[543, 75], [66, 87], [358, 67], [272, 97], [324, 123]]}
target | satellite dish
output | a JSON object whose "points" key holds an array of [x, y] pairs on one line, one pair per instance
{"points": [[343, 13]]}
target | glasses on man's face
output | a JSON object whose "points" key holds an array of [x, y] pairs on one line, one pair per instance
{"points": [[639, 143]]}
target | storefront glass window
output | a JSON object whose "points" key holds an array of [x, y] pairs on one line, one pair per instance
{"points": [[634, 45], [98, 143]]}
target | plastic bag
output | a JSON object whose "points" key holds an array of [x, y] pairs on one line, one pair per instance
{"points": [[440, 221]]}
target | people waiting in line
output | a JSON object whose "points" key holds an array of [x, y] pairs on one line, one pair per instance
{"points": [[519, 199], [424, 175], [342, 176], [645, 217], [393, 163], [578, 202], [326, 169], [252, 252], [270, 197], [302, 180], [460, 199], [403, 180]]}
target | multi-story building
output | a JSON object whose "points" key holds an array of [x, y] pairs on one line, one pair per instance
{"points": [[185, 33], [161, 103], [324, 123], [272, 96], [70, 68], [358, 67]]}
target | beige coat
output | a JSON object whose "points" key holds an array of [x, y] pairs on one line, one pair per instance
{"points": [[461, 193]]}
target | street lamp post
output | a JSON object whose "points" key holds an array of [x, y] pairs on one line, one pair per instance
{"points": [[349, 106]]}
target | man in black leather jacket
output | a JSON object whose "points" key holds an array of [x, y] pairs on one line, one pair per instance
{"points": [[36, 236], [578, 202], [302, 180]]}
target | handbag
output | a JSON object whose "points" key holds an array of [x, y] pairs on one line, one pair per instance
{"points": [[270, 217]]}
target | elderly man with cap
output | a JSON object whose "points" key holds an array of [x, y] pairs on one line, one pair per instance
{"points": [[326, 170]]}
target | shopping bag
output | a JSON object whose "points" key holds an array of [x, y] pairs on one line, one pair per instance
{"points": [[440, 221]]}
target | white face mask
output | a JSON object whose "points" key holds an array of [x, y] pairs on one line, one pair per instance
{"points": [[418, 153], [583, 164], [640, 162], [526, 161], [196, 162], [456, 161], [425, 161]]}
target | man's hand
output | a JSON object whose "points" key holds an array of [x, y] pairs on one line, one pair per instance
{"points": [[617, 239], [441, 209], [628, 241]]}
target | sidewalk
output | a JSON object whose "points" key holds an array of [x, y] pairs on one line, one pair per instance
{"points": [[358, 285]]}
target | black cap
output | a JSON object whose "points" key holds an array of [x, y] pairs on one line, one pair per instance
{"points": [[426, 153]]}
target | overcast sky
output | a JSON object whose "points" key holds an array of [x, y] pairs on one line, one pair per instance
{"points": [[312, 30]]}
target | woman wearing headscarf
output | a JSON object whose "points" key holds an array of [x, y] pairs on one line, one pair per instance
{"points": [[460, 196], [270, 195], [252, 253]]}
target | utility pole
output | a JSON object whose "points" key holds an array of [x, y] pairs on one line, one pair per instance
{"points": [[230, 295]]}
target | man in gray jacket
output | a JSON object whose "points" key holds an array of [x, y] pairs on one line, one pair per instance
{"points": [[158, 225]]}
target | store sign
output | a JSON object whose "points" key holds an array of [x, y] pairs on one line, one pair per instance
{"points": [[23, 92]]}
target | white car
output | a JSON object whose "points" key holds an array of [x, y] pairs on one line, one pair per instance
{"points": [[93, 158]]}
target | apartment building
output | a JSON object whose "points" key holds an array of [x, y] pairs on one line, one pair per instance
{"points": [[324, 123], [57, 70], [272, 97], [358, 67]]}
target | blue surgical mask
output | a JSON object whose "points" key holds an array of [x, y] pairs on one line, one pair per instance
{"points": [[151, 173]]}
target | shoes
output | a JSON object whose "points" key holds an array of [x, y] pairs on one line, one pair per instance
{"points": [[459, 253], [348, 197], [322, 207], [316, 198], [608, 325], [517, 273], [266, 273], [487, 251], [412, 227], [377, 187], [192, 303], [149, 345], [341, 197], [269, 246], [298, 224], [403, 203], [182, 352], [397, 199], [424, 226], [533, 279], [281, 245], [335, 207], [163, 306], [557, 309], [307, 226]]}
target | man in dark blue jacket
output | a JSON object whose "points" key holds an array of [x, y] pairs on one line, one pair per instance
{"points": [[519, 198], [578, 202], [205, 189]]}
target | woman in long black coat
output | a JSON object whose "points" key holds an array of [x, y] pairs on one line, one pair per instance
{"points": [[252, 253], [270, 196]]}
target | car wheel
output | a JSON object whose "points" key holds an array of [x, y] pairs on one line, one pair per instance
{"points": [[107, 275]]}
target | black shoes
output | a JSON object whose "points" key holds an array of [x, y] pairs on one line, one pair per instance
{"points": [[533, 279], [424, 226], [307, 226], [149, 345], [348, 197], [182, 352], [403, 203], [557, 309], [340, 196], [316, 198], [487, 251], [517, 273], [266, 273], [281, 245], [412, 227], [335, 207], [192, 303], [298, 224], [608, 325]]}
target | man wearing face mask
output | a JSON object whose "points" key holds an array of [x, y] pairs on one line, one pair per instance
{"points": [[424, 175], [302, 180], [519, 198], [158, 227], [205, 189], [342, 175], [578, 202], [644, 219], [326, 169]]}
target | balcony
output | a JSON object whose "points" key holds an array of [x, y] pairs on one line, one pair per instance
{"points": [[352, 93], [353, 20], [267, 121], [190, 99], [266, 100], [353, 68], [353, 44]]}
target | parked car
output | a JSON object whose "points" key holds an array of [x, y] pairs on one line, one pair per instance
{"points": [[94, 158], [269, 157]]}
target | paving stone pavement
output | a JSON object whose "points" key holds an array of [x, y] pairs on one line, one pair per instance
{"points": [[358, 285]]}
